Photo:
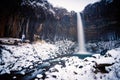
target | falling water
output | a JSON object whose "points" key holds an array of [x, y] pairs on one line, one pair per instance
{"points": [[81, 41]]}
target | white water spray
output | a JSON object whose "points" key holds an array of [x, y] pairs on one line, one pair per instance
{"points": [[81, 40]]}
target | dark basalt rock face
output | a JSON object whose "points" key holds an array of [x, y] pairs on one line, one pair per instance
{"points": [[39, 19], [19, 17], [7, 10], [102, 20], [36, 19], [60, 26]]}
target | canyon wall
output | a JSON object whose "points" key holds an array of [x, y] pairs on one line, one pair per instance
{"points": [[102, 20], [39, 19], [22, 17]]}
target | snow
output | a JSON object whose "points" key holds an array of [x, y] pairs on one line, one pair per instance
{"points": [[73, 71], [38, 3], [45, 51], [78, 69], [25, 57], [98, 47], [113, 53], [9, 40], [108, 60], [39, 76], [51, 10]]}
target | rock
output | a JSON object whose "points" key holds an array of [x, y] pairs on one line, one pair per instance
{"points": [[61, 26], [102, 63], [101, 20], [22, 17]]}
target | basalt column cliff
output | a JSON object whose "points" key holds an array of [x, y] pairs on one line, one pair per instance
{"points": [[19, 17]]}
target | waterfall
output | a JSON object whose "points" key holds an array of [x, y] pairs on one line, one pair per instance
{"points": [[81, 40]]}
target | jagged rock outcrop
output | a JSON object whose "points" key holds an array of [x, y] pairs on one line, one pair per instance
{"points": [[102, 20]]}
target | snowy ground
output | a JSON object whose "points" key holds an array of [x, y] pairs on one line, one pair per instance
{"points": [[86, 69], [41, 60], [102, 46]]}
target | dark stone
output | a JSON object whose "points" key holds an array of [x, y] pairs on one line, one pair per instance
{"points": [[101, 68], [101, 20], [80, 66], [54, 76], [19, 17]]}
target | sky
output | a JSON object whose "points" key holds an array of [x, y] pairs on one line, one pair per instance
{"points": [[76, 5]]}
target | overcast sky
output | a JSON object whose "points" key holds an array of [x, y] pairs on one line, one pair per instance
{"points": [[76, 5]]}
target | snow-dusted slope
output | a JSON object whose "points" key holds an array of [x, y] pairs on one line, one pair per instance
{"points": [[24, 56], [38, 61], [99, 47], [77, 69]]}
